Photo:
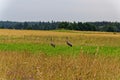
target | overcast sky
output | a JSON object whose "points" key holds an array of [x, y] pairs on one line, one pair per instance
{"points": [[60, 10]]}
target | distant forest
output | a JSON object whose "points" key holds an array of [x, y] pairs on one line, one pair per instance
{"points": [[80, 26]]}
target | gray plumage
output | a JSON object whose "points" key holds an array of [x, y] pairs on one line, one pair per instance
{"points": [[52, 43], [68, 42]]}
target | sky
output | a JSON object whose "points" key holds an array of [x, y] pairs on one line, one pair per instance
{"points": [[60, 10]]}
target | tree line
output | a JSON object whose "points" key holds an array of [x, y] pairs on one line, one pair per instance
{"points": [[80, 26]]}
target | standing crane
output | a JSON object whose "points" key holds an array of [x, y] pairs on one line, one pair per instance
{"points": [[52, 43]]}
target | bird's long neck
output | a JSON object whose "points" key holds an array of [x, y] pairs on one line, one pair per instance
{"points": [[51, 39], [66, 38]]}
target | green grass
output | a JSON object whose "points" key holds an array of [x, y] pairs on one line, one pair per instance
{"points": [[60, 49]]}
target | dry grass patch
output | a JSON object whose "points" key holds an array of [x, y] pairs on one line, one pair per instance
{"points": [[25, 66]]}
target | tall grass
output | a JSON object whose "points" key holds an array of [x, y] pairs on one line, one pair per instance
{"points": [[25, 66]]}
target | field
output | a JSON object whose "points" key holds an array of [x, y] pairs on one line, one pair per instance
{"points": [[28, 55]]}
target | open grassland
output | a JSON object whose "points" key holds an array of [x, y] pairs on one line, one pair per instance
{"points": [[39, 41], [27, 55]]}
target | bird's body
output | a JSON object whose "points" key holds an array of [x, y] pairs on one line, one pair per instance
{"points": [[68, 42], [52, 43]]}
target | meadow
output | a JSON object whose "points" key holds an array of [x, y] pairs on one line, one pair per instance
{"points": [[28, 55]]}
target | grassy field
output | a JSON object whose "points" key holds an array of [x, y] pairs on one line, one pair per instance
{"points": [[39, 41], [28, 55]]}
